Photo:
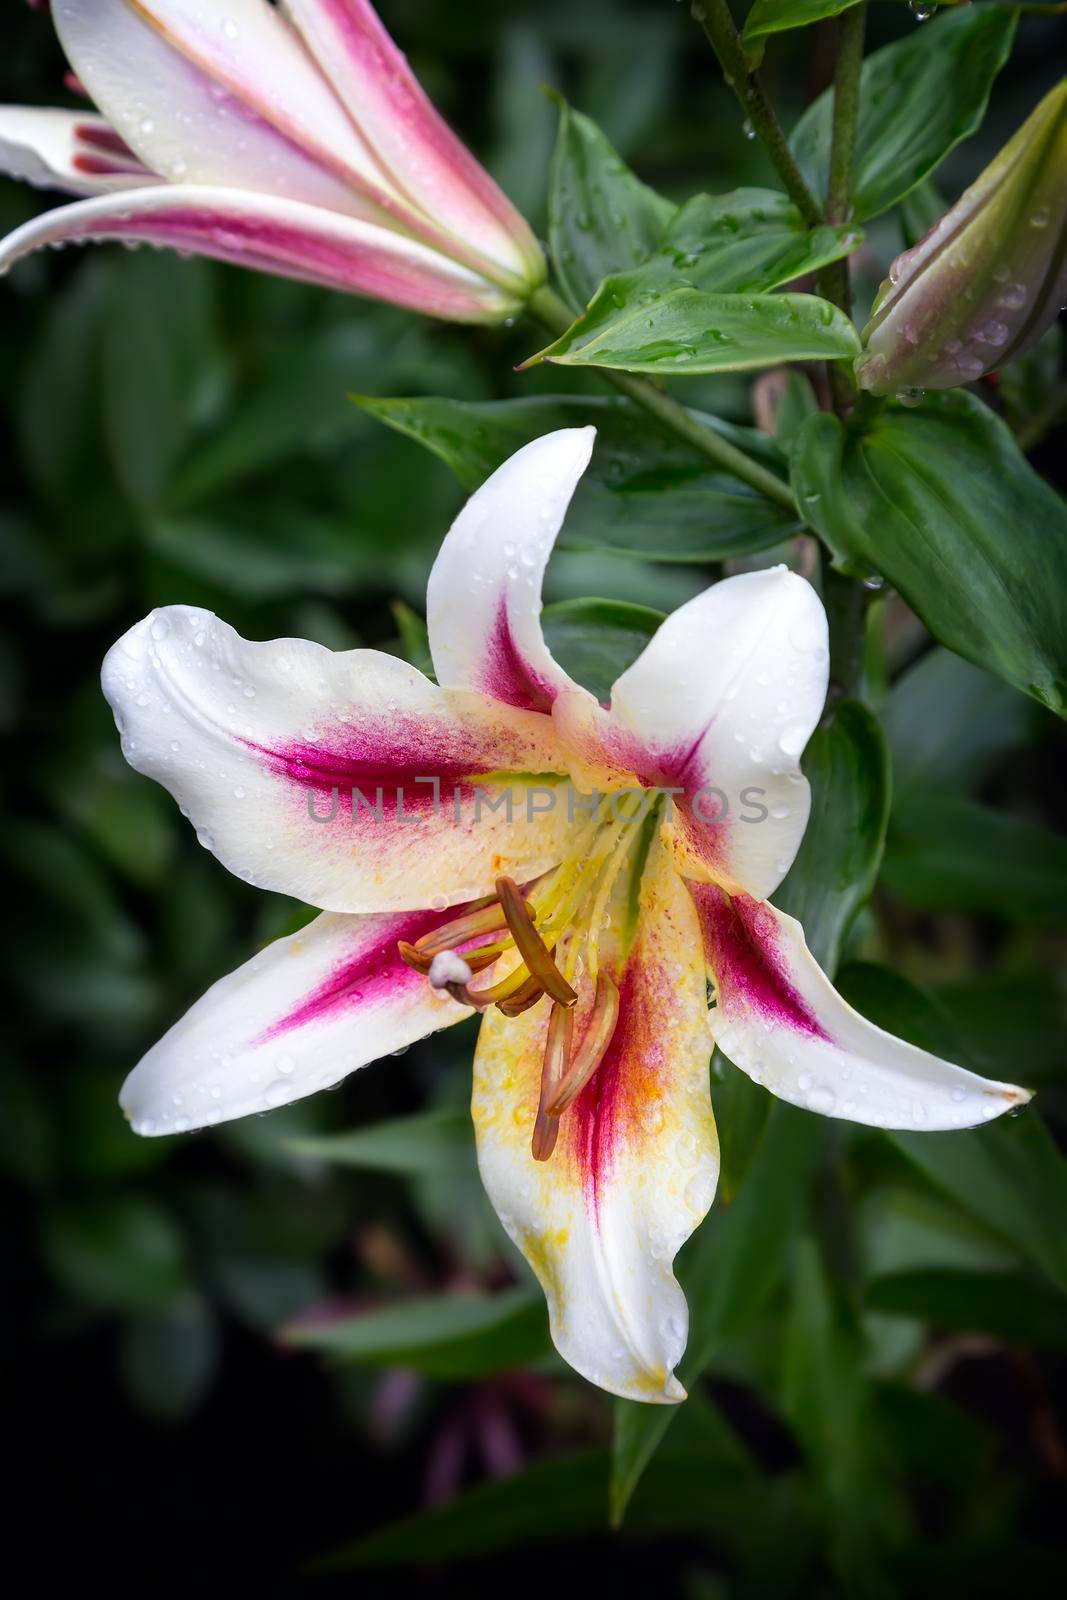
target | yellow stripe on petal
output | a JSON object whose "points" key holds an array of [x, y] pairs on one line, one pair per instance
{"points": [[636, 1161]]}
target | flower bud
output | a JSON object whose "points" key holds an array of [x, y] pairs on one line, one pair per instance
{"points": [[988, 278]]}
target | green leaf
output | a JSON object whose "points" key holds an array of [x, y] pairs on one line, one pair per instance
{"points": [[687, 331], [121, 1254], [940, 500], [261, 553], [428, 1143], [1007, 1305], [596, 640], [1010, 1176], [1001, 1017], [728, 1272], [825, 1397], [443, 1336], [601, 219], [704, 1480], [847, 764], [747, 242], [956, 855], [918, 99], [170, 1357], [645, 492], [154, 364], [413, 637], [768, 17], [797, 402], [949, 723]]}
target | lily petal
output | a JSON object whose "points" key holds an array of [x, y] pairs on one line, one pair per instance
{"points": [[636, 1161], [422, 156], [778, 1017], [483, 602], [70, 150], [223, 95], [313, 772], [266, 234], [298, 1017], [718, 707]]}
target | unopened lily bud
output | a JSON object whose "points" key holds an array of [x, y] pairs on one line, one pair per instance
{"points": [[988, 278]]}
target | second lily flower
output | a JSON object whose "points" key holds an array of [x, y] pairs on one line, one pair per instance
{"points": [[499, 841], [295, 141]]}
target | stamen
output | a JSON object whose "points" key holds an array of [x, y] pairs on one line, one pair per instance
{"points": [[523, 998], [594, 1046], [515, 982], [553, 1069], [414, 958], [531, 946], [487, 918]]}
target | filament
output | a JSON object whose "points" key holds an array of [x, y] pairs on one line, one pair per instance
{"points": [[593, 1048]]}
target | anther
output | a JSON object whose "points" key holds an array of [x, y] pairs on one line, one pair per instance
{"points": [[530, 945], [553, 1069], [594, 1046]]}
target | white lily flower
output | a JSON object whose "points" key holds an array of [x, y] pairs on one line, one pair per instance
{"points": [[412, 812], [295, 141]]}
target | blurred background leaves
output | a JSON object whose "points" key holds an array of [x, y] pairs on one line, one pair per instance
{"points": [[307, 1332]]}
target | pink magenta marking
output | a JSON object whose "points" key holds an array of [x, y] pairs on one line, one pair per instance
{"points": [[742, 942], [608, 1113], [375, 974], [392, 760], [100, 166], [104, 139], [272, 246], [508, 676], [406, 108]]}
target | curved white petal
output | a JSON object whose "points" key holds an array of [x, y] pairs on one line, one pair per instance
{"points": [[300, 767], [70, 150], [424, 159], [636, 1162], [719, 707], [218, 94], [778, 1017], [483, 602], [298, 1017], [266, 234]]}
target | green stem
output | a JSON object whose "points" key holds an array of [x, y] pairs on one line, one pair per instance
{"points": [[557, 317], [834, 280], [717, 21], [845, 598], [846, 601]]}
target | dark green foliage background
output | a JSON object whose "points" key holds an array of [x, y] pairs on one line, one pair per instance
{"points": [[884, 1409]]}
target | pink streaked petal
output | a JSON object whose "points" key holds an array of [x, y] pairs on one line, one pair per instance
{"points": [[778, 1017], [719, 707], [636, 1161], [298, 1017], [73, 151], [423, 157], [483, 601], [283, 237], [225, 96], [277, 752]]}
